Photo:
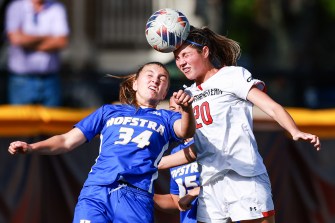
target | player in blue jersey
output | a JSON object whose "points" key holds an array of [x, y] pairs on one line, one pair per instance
{"points": [[134, 136], [184, 183]]}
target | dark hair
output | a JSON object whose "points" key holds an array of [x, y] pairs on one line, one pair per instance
{"points": [[127, 95], [222, 50]]}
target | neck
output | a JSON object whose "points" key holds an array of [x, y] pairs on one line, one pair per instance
{"points": [[38, 5], [211, 72], [147, 105]]}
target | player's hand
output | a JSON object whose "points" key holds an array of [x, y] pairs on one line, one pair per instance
{"points": [[183, 99], [313, 139], [19, 147], [185, 202]]}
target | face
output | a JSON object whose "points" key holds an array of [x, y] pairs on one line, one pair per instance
{"points": [[38, 1], [151, 85], [191, 62]]}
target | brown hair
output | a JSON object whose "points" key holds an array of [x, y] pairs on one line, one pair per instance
{"points": [[222, 50], [127, 95]]}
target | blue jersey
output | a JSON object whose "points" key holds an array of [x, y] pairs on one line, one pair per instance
{"points": [[133, 141], [183, 179]]}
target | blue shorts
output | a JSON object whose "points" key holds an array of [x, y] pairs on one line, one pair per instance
{"points": [[34, 89], [117, 203]]}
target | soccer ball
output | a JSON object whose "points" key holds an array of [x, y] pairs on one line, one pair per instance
{"points": [[166, 30]]}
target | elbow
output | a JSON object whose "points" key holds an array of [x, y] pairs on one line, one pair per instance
{"points": [[187, 135], [190, 133], [162, 166], [64, 43]]}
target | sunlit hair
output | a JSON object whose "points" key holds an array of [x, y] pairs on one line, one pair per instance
{"points": [[222, 50], [127, 95]]}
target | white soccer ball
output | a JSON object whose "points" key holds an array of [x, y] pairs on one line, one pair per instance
{"points": [[166, 30]]}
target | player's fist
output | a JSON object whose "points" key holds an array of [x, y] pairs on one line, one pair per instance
{"points": [[19, 147], [182, 98]]}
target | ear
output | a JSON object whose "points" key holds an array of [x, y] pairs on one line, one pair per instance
{"points": [[135, 85], [205, 51]]}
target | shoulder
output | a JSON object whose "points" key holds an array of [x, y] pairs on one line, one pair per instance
{"points": [[236, 73], [117, 108], [168, 114], [233, 70], [55, 6], [54, 3], [17, 4]]}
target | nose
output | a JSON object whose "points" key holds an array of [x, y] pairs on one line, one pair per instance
{"points": [[155, 80], [181, 62]]}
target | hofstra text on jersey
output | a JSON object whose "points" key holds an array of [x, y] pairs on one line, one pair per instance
{"points": [[186, 169], [136, 122]]}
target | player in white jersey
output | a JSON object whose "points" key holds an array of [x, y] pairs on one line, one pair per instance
{"points": [[134, 136], [234, 180]]}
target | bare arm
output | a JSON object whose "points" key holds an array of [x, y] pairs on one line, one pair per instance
{"points": [[51, 43], [38, 43], [185, 127], [279, 114], [52, 146], [166, 203], [181, 157]]}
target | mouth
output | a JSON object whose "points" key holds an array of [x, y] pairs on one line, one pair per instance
{"points": [[153, 88], [186, 70]]}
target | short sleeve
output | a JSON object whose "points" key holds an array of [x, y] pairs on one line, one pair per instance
{"points": [[92, 124], [60, 24], [13, 19], [243, 82]]}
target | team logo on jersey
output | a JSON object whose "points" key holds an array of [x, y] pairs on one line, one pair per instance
{"points": [[247, 75], [253, 208], [156, 113], [85, 221], [209, 92]]}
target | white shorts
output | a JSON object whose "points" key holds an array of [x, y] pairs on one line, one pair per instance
{"points": [[235, 197]]}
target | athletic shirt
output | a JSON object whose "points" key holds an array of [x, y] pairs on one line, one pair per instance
{"points": [[183, 179], [132, 143], [224, 138]]}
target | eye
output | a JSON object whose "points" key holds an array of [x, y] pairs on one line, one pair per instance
{"points": [[186, 55], [162, 78]]}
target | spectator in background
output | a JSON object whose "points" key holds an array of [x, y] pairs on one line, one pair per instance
{"points": [[37, 30]]}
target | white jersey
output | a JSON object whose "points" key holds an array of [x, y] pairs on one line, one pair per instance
{"points": [[224, 138]]}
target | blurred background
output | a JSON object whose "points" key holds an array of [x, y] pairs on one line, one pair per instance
{"points": [[289, 44]]}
